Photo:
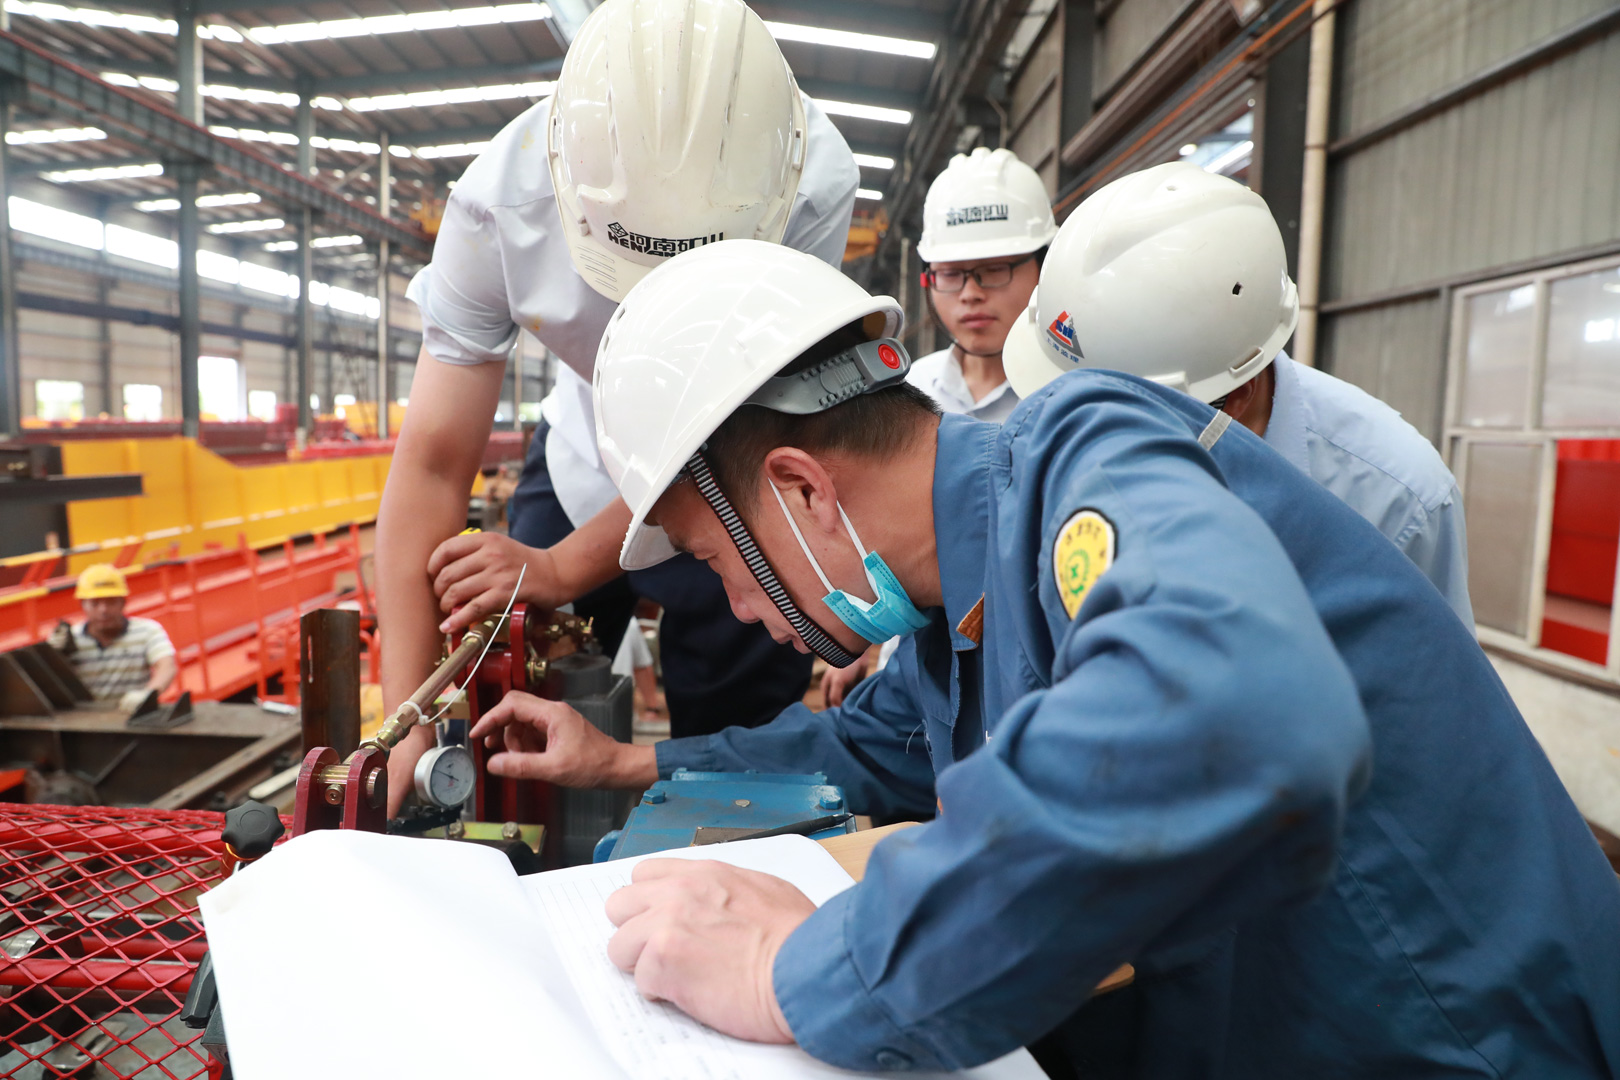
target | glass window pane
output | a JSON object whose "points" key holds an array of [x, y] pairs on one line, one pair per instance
{"points": [[143, 401], [1496, 370], [58, 399], [1583, 352], [219, 388], [1503, 497], [262, 405]]}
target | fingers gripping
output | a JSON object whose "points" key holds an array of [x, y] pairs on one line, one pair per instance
{"points": [[452, 550]]}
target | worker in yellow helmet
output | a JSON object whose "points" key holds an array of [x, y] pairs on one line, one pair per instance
{"points": [[119, 657]]}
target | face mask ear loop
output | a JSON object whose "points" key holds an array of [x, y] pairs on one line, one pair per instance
{"points": [[860, 548], [799, 536]]}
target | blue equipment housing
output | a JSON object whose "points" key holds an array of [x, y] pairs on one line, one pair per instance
{"points": [[671, 811]]}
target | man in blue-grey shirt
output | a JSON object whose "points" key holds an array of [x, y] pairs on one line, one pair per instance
{"points": [[1177, 704], [1180, 276]]}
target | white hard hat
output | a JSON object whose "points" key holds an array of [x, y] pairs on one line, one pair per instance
{"points": [[696, 339], [1173, 273], [983, 205], [676, 123]]}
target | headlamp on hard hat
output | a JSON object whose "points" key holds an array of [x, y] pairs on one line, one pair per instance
{"points": [[871, 365]]}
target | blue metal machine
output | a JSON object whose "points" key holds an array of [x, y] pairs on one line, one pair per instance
{"points": [[709, 807]]}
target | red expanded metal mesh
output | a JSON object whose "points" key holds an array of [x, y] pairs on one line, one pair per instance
{"points": [[99, 938]]}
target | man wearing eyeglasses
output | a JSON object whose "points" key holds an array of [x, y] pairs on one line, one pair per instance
{"points": [[986, 223]]}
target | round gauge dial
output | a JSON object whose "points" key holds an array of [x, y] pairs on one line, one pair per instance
{"points": [[445, 776]]}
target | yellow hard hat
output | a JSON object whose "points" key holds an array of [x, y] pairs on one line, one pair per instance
{"points": [[101, 580]]}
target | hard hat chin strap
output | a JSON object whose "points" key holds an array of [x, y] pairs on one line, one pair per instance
{"points": [[819, 641]]}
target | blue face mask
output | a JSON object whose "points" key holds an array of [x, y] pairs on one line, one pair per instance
{"points": [[892, 614]]}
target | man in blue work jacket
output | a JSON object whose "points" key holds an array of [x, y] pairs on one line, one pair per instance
{"points": [[1179, 706]]}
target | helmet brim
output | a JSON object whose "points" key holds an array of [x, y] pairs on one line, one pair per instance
{"points": [[1027, 362], [648, 545], [982, 249]]}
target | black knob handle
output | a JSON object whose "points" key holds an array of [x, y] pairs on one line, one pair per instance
{"points": [[252, 829]]}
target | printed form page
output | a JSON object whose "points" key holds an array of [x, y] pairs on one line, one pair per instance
{"points": [[655, 1040]]}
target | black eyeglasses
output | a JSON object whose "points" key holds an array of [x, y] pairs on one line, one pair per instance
{"points": [[994, 276]]}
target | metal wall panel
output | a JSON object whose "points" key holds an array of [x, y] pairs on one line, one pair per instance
{"points": [[1037, 142], [1035, 109], [1522, 171], [1129, 31], [58, 346], [1392, 353], [1040, 66], [1396, 52]]}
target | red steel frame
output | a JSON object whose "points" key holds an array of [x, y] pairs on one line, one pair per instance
{"points": [[232, 615]]}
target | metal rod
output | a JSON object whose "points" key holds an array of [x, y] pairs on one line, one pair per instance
{"points": [[104, 345], [11, 405], [304, 354], [414, 710], [385, 197], [190, 300], [1313, 197], [188, 57]]}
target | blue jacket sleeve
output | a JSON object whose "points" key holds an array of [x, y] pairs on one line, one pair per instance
{"points": [[1187, 764], [871, 746]]}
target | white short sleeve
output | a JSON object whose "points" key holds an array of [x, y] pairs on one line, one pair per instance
{"points": [[462, 292]]}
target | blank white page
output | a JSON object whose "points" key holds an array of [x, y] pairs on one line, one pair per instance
{"points": [[655, 1040], [352, 954]]}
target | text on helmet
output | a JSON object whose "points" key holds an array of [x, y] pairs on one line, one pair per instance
{"points": [[655, 245], [972, 215]]}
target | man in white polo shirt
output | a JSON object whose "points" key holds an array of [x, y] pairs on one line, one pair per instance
{"points": [[118, 657], [675, 123], [986, 223]]}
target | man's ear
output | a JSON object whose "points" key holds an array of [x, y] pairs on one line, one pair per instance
{"points": [[1250, 404], [806, 487]]}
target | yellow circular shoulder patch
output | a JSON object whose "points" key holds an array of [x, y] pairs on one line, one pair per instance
{"points": [[1084, 550]]}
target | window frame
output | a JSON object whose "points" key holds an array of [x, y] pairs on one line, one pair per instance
{"points": [[1457, 437]]}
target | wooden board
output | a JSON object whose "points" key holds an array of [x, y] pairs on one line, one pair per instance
{"points": [[852, 850]]}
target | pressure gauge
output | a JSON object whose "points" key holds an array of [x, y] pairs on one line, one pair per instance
{"points": [[445, 776]]}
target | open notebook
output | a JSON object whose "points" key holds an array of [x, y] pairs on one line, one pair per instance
{"points": [[350, 954]]}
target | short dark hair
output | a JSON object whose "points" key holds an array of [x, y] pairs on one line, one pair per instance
{"points": [[877, 424]]}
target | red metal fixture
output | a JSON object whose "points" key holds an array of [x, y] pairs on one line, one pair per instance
{"points": [[99, 933]]}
